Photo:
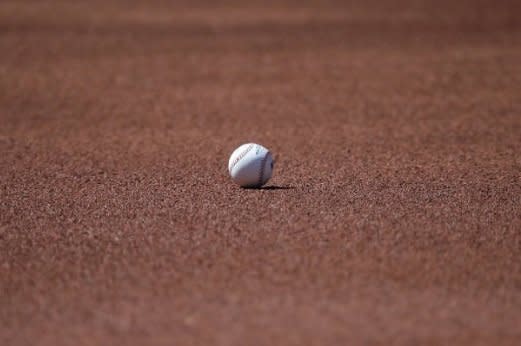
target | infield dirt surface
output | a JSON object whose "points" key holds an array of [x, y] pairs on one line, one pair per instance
{"points": [[393, 216]]}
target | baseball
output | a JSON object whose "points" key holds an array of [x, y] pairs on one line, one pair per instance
{"points": [[250, 165]]}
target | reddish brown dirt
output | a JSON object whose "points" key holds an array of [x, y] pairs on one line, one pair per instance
{"points": [[396, 213]]}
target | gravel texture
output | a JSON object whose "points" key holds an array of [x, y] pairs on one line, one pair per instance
{"points": [[393, 216]]}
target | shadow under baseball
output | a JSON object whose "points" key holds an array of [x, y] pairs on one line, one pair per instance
{"points": [[271, 187]]}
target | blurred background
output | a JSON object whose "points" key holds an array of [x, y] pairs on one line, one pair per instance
{"points": [[396, 130]]}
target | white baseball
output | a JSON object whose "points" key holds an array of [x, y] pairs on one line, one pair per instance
{"points": [[251, 165]]}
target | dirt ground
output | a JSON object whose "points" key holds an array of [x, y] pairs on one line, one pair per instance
{"points": [[393, 215]]}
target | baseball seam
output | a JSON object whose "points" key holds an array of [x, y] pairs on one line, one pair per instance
{"points": [[241, 155], [262, 167]]}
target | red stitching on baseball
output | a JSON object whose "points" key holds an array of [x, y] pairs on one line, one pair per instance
{"points": [[261, 172], [238, 158]]}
